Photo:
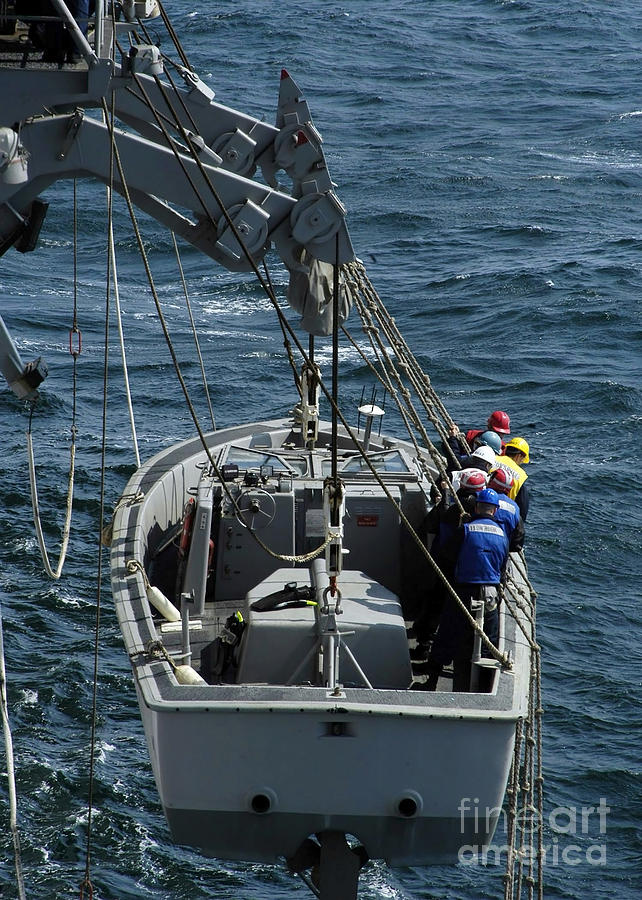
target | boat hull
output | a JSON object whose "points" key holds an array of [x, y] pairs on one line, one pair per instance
{"points": [[412, 789]]}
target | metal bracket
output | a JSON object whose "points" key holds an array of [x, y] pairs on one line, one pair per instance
{"points": [[199, 92], [297, 150], [75, 121]]}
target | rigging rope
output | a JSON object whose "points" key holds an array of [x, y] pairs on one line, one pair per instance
{"points": [[86, 884], [75, 351], [193, 324], [53, 573], [112, 268]]}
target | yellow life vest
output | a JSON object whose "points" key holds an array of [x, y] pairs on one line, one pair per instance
{"points": [[519, 475]]}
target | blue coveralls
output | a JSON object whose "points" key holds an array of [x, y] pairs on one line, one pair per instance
{"points": [[509, 517], [482, 554]]}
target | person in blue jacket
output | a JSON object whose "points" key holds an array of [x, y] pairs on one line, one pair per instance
{"points": [[442, 521], [479, 549], [508, 513]]}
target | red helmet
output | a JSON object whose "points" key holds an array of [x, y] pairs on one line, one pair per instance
{"points": [[501, 481], [472, 480], [499, 421]]}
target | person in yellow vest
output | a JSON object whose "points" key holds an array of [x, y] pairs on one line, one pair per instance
{"points": [[517, 454]]}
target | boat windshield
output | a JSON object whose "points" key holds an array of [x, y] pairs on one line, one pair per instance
{"points": [[257, 459], [392, 461]]}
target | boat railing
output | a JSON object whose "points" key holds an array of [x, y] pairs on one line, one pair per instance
{"points": [[36, 34], [480, 663], [30, 37]]}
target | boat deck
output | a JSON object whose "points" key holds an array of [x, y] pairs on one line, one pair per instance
{"points": [[17, 50], [213, 622]]}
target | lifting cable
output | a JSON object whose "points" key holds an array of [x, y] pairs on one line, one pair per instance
{"points": [[406, 411], [173, 35], [86, 887], [194, 332], [366, 295], [406, 408]]}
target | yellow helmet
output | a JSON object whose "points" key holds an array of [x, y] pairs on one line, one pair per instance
{"points": [[519, 444]]}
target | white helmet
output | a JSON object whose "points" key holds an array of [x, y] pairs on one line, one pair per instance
{"points": [[487, 454]]}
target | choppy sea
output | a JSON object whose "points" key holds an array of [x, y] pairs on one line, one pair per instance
{"points": [[490, 155]]}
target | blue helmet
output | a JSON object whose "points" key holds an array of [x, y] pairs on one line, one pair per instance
{"points": [[488, 495], [490, 439]]}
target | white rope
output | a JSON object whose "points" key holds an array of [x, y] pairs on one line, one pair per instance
{"points": [[36, 509], [119, 322], [8, 745]]}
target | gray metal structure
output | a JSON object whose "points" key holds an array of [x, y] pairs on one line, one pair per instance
{"points": [[274, 732]]}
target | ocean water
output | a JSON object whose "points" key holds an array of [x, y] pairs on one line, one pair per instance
{"points": [[490, 156]]}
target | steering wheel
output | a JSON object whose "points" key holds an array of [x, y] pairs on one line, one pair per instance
{"points": [[255, 509]]}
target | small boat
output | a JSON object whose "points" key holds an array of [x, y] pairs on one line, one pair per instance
{"points": [[266, 575]]}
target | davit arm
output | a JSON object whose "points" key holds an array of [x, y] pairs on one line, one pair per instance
{"points": [[306, 227]]}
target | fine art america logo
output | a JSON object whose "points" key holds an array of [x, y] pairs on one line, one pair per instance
{"points": [[570, 835]]}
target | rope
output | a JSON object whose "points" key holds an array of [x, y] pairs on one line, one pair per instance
{"points": [[53, 573], [286, 342], [11, 777], [512, 792], [419, 380], [524, 863], [111, 267], [196, 343], [75, 351], [86, 883], [387, 384], [173, 35]]}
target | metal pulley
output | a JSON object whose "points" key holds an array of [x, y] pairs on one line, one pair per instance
{"points": [[236, 150], [251, 223]]}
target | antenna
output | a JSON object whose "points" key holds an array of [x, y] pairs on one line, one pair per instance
{"points": [[371, 411]]}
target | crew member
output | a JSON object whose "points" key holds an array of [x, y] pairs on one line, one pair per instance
{"points": [[498, 421], [482, 458], [442, 521], [508, 514], [480, 551], [483, 439], [517, 454]]}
